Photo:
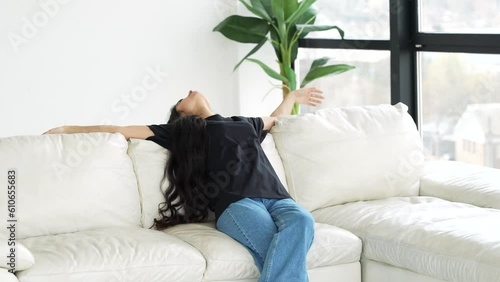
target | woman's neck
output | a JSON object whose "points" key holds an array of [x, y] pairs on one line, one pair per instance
{"points": [[206, 113]]}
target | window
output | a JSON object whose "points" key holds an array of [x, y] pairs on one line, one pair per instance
{"points": [[451, 16], [366, 46], [369, 84], [360, 19], [460, 104], [441, 58]]}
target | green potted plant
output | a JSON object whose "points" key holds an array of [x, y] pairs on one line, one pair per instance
{"points": [[282, 23]]}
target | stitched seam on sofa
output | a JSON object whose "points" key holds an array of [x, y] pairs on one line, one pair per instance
{"points": [[115, 270], [230, 260], [188, 238], [363, 237], [371, 137], [331, 250], [437, 275], [409, 268], [412, 247], [206, 256], [368, 260], [239, 279], [137, 177]]}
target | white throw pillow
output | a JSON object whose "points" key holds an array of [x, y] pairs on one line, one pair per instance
{"points": [[22, 258], [350, 154], [69, 182], [149, 160]]}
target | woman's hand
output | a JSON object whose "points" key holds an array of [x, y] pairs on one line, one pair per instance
{"points": [[308, 96], [305, 96], [55, 130]]}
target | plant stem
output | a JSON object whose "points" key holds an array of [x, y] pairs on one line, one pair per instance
{"points": [[296, 109]]}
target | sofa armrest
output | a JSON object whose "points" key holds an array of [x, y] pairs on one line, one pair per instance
{"points": [[461, 182], [6, 276], [22, 258]]}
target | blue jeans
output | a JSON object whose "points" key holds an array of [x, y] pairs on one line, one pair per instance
{"points": [[277, 232]]}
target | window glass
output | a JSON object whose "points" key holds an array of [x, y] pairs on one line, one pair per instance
{"points": [[460, 96], [367, 84], [451, 16], [360, 19]]}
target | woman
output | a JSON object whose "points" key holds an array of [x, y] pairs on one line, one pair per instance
{"points": [[218, 163]]}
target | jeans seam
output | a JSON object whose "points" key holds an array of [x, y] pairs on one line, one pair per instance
{"points": [[270, 263], [244, 234], [275, 242]]}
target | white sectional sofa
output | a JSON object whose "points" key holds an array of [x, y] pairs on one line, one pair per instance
{"points": [[84, 204]]}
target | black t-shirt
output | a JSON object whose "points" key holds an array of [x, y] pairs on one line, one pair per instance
{"points": [[237, 165]]}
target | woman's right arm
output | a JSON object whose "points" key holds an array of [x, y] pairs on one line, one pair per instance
{"points": [[131, 131]]}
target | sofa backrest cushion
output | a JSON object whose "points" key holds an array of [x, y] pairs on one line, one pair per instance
{"points": [[149, 160], [343, 155], [272, 154], [69, 182]]}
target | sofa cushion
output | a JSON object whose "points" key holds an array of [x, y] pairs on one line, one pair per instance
{"points": [[461, 182], [228, 260], [269, 147], [149, 160], [6, 276], [434, 237], [70, 182], [349, 154], [23, 258], [113, 254]]}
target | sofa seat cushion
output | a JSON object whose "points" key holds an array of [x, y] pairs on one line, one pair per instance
{"points": [[114, 254], [229, 260], [431, 236]]}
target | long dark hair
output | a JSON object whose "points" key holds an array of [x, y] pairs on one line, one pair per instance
{"points": [[185, 199]]}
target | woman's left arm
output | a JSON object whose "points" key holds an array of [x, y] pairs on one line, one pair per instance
{"points": [[304, 96]]}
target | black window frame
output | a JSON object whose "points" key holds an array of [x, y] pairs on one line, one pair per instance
{"points": [[404, 44]]}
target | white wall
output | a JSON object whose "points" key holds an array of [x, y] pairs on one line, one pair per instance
{"points": [[85, 62]]}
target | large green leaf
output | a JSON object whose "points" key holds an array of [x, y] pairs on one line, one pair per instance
{"points": [[309, 14], [306, 28], [290, 7], [272, 73], [279, 13], [257, 9], [267, 4], [255, 49], [275, 37], [319, 63], [309, 17], [243, 29], [292, 78], [324, 71], [294, 51], [279, 10], [295, 48], [303, 6]]}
